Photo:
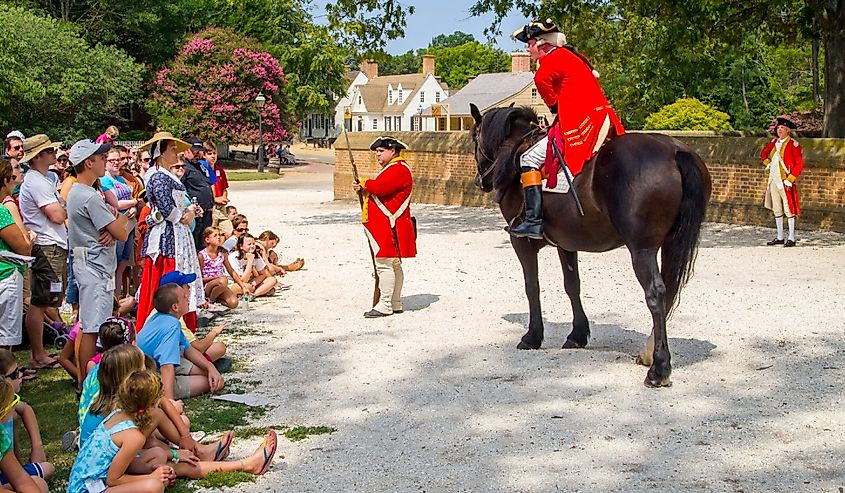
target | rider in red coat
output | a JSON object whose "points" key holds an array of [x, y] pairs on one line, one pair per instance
{"points": [[566, 82], [784, 162], [387, 220]]}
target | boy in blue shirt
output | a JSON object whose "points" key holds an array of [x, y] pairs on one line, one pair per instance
{"points": [[185, 372]]}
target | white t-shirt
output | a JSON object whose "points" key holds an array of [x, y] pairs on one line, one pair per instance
{"points": [[238, 265], [36, 192]]}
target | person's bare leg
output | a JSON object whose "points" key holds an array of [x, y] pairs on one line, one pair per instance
{"points": [[35, 332], [87, 350], [252, 464], [267, 285], [216, 351]]}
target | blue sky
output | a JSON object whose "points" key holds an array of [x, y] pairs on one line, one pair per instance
{"points": [[433, 17]]}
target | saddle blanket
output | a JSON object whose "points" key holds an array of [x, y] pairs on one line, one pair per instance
{"points": [[562, 183]]}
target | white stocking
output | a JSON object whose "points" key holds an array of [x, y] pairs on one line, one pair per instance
{"points": [[779, 224], [791, 221]]}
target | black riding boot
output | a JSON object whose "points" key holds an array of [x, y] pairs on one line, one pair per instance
{"points": [[532, 226]]}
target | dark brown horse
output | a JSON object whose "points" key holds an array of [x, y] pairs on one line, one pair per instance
{"points": [[648, 192]]}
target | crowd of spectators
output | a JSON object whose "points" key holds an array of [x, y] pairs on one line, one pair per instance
{"points": [[98, 242]]}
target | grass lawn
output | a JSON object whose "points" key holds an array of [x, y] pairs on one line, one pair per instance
{"points": [[252, 175]]}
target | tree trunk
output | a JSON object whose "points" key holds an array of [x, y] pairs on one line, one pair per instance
{"points": [[817, 96], [834, 74]]}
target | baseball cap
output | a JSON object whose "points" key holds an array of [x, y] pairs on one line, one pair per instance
{"points": [[84, 149], [15, 133], [196, 144], [176, 277]]}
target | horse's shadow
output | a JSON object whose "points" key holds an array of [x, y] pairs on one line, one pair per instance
{"points": [[611, 337], [421, 301]]}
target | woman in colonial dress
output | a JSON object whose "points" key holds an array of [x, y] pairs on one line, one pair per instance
{"points": [[168, 244]]}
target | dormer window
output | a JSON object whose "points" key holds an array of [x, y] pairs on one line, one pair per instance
{"points": [[390, 95], [400, 95]]}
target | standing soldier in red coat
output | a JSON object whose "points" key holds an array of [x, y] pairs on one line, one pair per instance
{"points": [[567, 83], [784, 162], [387, 219]]}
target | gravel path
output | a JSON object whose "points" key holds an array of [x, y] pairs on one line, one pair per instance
{"points": [[438, 399]]}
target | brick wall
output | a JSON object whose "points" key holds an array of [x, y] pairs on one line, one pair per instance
{"points": [[444, 172]]}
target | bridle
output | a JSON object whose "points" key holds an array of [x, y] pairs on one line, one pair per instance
{"points": [[480, 176]]}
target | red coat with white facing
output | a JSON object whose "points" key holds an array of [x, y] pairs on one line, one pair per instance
{"points": [[565, 81], [793, 161], [387, 199]]}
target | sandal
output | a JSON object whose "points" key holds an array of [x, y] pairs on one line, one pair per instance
{"points": [[223, 446], [55, 365], [268, 456]]}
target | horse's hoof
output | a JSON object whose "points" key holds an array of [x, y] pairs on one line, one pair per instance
{"points": [[570, 344], [524, 345], [657, 383]]}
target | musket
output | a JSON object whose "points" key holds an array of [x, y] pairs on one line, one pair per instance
{"points": [[376, 290], [566, 174]]}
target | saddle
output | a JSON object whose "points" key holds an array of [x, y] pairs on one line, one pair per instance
{"points": [[552, 168]]}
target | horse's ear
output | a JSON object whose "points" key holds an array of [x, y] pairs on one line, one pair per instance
{"points": [[476, 115], [511, 105]]}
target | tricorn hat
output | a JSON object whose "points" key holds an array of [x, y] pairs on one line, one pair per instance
{"points": [[535, 29], [388, 143], [35, 144], [786, 122]]}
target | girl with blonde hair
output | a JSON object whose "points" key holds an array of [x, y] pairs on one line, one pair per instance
{"points": [[19, 480]]}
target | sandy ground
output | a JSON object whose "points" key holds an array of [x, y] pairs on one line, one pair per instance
{"points": [[438, 399]]}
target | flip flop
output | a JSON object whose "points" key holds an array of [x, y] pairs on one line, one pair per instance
{"points": [[223, 446], [268, 457], [55, 365]]}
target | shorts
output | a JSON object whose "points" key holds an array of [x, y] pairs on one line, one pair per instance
{"points": [[182, 386], [72, 294], [34, 470], [49, 275], [11, 309], [221, 220], [96, 294], [125, 250]]}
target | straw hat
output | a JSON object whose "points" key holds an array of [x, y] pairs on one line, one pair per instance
{"points": [[35, 144], [181, 145]]}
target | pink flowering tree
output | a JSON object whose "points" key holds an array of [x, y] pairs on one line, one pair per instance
{"points": [[209, 89]]}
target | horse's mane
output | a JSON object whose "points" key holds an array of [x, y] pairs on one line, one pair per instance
{"points": [[498, 126]]}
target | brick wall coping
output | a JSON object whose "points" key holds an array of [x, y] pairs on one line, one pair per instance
{"points": [[712, 146]]}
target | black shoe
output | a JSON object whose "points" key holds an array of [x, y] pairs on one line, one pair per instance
{"points": [[375, 314], [398, 311], [789, 243], [774, 242], [223, 365], [532, 226]]}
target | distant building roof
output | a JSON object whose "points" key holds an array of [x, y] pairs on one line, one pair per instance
{"points": [[485, 91], [374, 92]]}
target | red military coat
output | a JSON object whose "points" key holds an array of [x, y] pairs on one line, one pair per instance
{"points": [[386, 207], [564, 80], [793, 164]]}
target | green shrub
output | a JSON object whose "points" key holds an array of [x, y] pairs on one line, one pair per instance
{"points": [[688, 114]]}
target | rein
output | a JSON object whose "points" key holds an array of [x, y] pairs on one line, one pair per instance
{"points": [[482, 176]]}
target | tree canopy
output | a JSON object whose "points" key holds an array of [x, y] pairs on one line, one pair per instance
{"points": [[52, 81]]}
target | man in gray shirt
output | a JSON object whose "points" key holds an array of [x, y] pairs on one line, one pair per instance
{"points": [[93, 226]]}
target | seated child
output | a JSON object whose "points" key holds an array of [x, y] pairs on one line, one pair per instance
{"points": [[37, 465], [15, 477], [141, 392], [100, 397], [67, 358], [184, 370], [214, 264], [113, 332], [270, 240], [251, 268]]}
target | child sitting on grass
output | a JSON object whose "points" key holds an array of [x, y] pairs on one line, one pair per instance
{"points": [[247, 261], [184, 370], [14, 476], [113, 332], [214, 265], [270, 240], [37, 465]]}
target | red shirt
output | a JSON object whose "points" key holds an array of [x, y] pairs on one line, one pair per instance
{"points": [[222, 183]]}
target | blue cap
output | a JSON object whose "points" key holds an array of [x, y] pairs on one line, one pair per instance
{"points": [[176, 277]]}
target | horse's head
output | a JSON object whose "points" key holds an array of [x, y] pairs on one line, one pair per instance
{"points": [[496, 135]]}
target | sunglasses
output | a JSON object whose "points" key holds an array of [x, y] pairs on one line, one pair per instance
{"points": [[11, 405], [241, 230], [178, 166], [62, 159], [144, 160], [17, 147], [15, 374]]}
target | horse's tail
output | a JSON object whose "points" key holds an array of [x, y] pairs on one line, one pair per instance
{"points": [[681, 247]]}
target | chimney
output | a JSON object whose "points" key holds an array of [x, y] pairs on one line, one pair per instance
{"points": [[520, 62], [428, 64], [370, 68]]}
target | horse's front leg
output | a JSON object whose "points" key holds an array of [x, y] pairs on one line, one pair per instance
{"points": [[645, 267], [572, 284], [526, 251]]}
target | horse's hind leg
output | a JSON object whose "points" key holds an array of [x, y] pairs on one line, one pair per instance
{"points": [[526, 251], [572, 284], [645, 267]]}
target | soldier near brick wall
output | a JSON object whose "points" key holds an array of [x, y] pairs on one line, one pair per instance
{"points": [[784, 163], [386, 216]]}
